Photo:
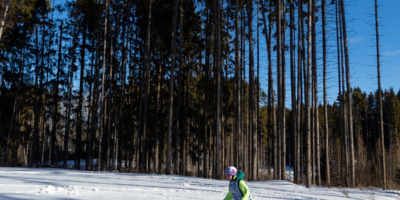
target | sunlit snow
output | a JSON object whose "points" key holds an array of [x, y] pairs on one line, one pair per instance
{"points": [[50, 183]]}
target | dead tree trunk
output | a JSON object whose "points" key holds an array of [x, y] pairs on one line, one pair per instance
{"points": [[379, 97]]}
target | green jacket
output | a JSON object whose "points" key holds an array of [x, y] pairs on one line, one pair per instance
{"points": [[238, 188]]}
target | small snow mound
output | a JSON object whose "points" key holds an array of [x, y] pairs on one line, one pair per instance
{"points": [[96, 189], [49, 189], [67, 191], [184, 184]]}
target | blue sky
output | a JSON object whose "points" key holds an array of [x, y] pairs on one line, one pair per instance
{"points": [[361, 35], [363, 60]]}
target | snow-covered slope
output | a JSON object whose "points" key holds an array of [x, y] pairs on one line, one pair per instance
{"points": [[35, 183]]}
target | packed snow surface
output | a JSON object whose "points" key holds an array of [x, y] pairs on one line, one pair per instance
{"points": [[48, 183]]}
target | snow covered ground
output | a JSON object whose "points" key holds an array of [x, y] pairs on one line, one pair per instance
{"points": [[48, 183]]}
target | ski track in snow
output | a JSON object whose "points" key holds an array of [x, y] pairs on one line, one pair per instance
{"points": [[47, 183]]}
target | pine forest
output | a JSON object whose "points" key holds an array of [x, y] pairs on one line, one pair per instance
{"points": [[192, 87]]}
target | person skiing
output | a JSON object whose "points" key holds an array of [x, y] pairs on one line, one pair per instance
{"points": [[238, 189]]}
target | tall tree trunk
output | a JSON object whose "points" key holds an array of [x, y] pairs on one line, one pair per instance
{"points": [[110, 103], [36, 109], [89, 122], [265, 32], [89, 125], [283, 96], [227, 160], [179, 131], [341, 97], [79, 114], [144, 156], [316, 112], [69, 93], [307, 95], [258, 92], [279, 85], [300, 118], [157, 128], [102, 87], [42, 119], [218, 103], [171, 91], [293, 83], [271, 86], [349, 103], [253, 119], [339, 84], [121, 120], [313, 148], [95, 103], [271, 93], [303, 98], [298, 141], [379, 98], [327, 173], [238, 86], [243, 74], [207, 140]]}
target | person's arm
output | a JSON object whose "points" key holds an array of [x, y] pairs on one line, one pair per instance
{"points": [[245, 190], [228, 196]]}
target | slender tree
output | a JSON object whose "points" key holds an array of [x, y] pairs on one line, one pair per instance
{"points": [[379, 96]]}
